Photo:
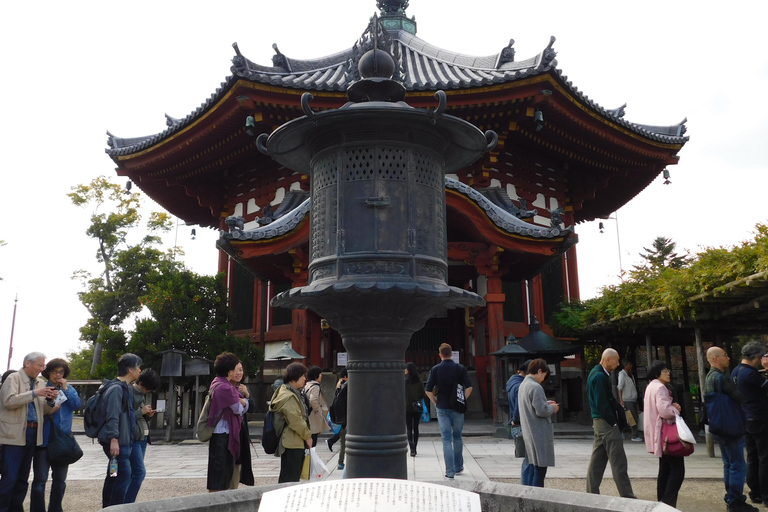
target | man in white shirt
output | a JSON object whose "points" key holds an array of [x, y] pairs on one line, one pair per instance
{"points": [[628, 396]]}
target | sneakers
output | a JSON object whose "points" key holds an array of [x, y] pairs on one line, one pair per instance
{"points": [[329, 445], [340, 466], [459, 471], [449, 477], [637, 439]]}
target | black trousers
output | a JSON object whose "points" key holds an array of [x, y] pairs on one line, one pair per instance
{"points": [[756, 440], [671, 476], [412, 427], [291, 462]]}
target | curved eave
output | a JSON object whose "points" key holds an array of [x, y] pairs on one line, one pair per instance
{"points": [[122, 148]]}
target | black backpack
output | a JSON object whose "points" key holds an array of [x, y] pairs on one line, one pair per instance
{"points": [[270, 438], [338, 408], [94, 415]]}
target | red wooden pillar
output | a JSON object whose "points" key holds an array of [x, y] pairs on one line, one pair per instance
{"points": [[300, 323], [494, 301]]}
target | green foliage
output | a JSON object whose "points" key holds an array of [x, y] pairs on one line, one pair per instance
{"points": [[189, 313], [662, 255], [569, 318], [668, 281], [113, 296], [80, 363]]}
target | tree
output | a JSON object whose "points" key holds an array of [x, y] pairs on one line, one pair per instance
{"points": [[189, 313], [662, 255], [113, 295]]}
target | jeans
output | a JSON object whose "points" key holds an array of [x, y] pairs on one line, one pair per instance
{"points": [[16, 463], [115, 487], [527, 472], [734, 468], [451, 424], [756, 440], [608, 446], [41, 467], [138, 472], [412, 429], [670, 479]]}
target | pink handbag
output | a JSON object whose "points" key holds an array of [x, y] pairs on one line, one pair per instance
{"points": [[671, 444]]}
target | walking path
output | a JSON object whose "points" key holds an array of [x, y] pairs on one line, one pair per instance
{"points": [[486, 458]]}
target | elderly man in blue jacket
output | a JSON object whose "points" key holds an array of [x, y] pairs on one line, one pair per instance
{"points": [[116, 436]]}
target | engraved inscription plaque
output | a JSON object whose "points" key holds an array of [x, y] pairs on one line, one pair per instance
{"points": [[370, 495]]}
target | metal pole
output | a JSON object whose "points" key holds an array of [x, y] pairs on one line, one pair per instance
{"points": [[197, 402], [618, 242], [13, 327]]}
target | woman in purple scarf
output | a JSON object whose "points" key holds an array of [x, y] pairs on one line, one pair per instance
{"points": [[226, 416]]}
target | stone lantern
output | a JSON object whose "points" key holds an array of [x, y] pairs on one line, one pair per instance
{"points": [[378, 251]]}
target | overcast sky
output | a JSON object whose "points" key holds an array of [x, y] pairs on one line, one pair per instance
{"points": [[72, 70]]}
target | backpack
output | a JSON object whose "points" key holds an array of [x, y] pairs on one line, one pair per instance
{"points": [[270, 438], [204, 432], [94, 415], [338, 408]]}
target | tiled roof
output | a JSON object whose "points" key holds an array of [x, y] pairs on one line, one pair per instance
{"points": [[502, 218], [421, 66]]}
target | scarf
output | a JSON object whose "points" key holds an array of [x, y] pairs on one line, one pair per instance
{"points": [[223, 395]]}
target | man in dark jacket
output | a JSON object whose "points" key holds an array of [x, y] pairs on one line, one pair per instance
{"points": [[116, 436], [754, 388], [513, 386], [608, 444], [442, 381], [731, 448]]}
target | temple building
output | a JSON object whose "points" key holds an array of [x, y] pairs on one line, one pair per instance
{"points": [[561, 159]]}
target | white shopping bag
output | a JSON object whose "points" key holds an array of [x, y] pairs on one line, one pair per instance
{"points": [[317, 468], [683, 432]]}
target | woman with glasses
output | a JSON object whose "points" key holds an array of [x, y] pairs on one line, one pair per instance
{"points": [[659, 408], [68, 401], [291, 418]]}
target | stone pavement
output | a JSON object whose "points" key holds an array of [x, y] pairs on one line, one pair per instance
{"points": [[486, 458]]}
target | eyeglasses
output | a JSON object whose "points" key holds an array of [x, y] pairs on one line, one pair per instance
{"points": [[60, 371], [666, 370]]}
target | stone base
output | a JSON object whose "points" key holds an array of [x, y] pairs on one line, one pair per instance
{"points": [[494, 497]]}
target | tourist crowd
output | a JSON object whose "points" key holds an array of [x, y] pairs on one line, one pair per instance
{"points": [[37, 402]]}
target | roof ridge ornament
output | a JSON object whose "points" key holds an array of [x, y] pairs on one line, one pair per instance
{"points": [[279, 60], [548, 55], [506, 55]]}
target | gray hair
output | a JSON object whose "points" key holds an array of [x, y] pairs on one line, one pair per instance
{"points": [[752, 349], [33, 356]]}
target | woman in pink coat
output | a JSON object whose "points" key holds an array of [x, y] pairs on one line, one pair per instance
{"points": [[658, 409]]}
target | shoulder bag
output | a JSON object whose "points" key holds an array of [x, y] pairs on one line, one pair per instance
{"points": [[671, 444], [725, 417], [62, 447], [458, 400]]}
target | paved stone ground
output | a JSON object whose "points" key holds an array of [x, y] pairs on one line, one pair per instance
{"points": [[179, 470]]}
